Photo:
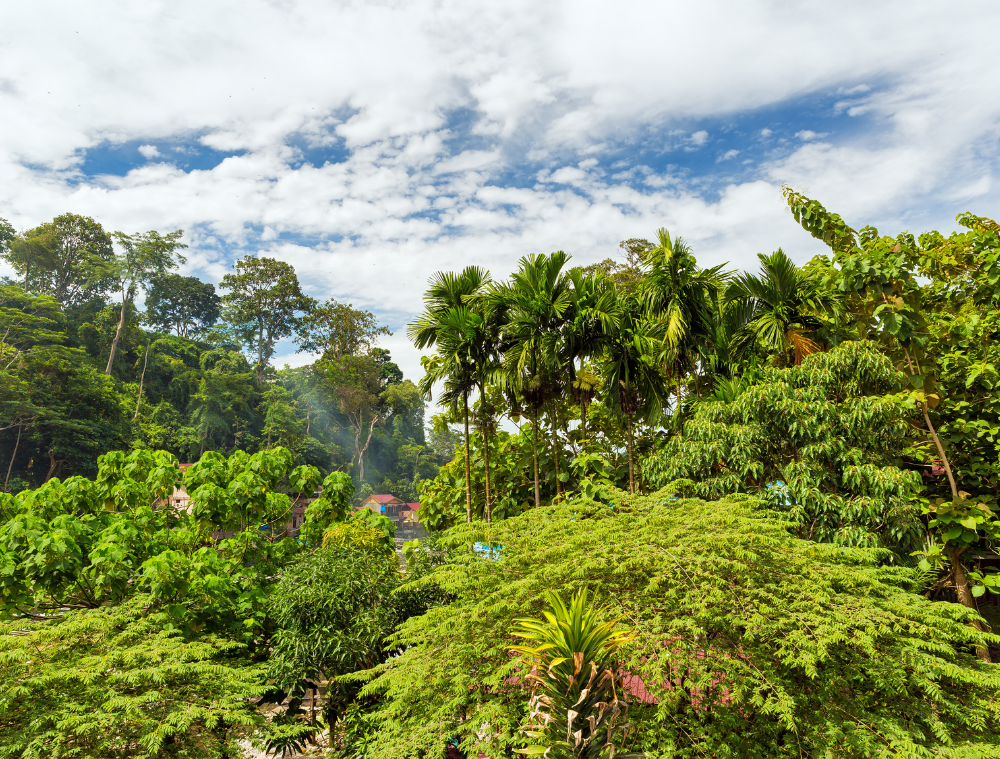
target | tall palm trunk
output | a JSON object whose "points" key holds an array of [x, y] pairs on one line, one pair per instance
{"points": [[631, 458], [677, 414], [468, 470], [118, 332], [534, 456], [555, 444], [484, 426]]}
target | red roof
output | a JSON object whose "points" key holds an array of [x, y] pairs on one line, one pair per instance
{"points": [[382, 498], [413, 506]]}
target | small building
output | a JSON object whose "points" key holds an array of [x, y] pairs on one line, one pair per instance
{"points": [[410, 517], [386, 505]]}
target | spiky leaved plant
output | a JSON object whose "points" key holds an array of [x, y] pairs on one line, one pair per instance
{"points": [[575, 705]]}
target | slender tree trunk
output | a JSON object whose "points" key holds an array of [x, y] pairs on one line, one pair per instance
{"points": [[142, 378], [53, 466], [958, 576], [944, 458], [260, 354], [118, 333], [12, 457], [484, 426], [361, 449], [631, 460], [468, 469], [555, 445], [961, 582], [677, 415], [937, 440], [534, 457]]}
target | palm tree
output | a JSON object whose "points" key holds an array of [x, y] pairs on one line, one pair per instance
{"points": [[681, 296], [633, 384], [592, 321], [534, 306], [460, 335], [784, 306]]}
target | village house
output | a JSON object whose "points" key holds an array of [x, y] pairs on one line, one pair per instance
{"points": [[402, 514]]}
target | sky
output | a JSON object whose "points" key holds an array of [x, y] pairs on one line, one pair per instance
{"points": [[371, 144]]}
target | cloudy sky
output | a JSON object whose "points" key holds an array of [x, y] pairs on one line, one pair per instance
{"points": [[373, 143]]}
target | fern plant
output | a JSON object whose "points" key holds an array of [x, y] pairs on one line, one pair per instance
{"points": [[575, 704]]}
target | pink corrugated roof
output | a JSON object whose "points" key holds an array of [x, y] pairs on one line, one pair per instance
{"points": [[413, 506], [383, 498]]}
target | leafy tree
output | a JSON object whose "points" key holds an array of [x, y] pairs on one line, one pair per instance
{"points": [[263, 301], [143, 257], [823, 440], [336, 330], [282, 423], [223, 397], [938, 333], [184, 304], [750, 642], [138, 634], [69, 258], [334, 610], [120, 682]]}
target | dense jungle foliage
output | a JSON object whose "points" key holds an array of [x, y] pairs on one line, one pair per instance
{"points": [[671, 510], [83, 371]]}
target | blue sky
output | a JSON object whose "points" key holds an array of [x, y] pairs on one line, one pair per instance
{"points": [[372, 144]]}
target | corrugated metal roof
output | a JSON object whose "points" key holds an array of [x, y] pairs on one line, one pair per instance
{"points": [[382, 498]]}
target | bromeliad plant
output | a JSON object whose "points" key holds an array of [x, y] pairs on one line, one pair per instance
{"points": [[575, 704]]}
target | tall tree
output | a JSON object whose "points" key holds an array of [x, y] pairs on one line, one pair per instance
{"points": [[633, 382], [450, 323], [679, 294], [786, 306], [184, 304], [453, 365], [592, 321], [336, 330], [536, 304], [142, 258], [70, 258], [263, 304]]}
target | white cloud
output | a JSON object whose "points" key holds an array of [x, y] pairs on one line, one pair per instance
{"points": [[440, 108]]}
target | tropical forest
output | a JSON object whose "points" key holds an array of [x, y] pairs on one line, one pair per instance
{"points": [[662, 509]]}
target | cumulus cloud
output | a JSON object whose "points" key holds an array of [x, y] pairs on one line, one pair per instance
{"points": [[372, 144]]}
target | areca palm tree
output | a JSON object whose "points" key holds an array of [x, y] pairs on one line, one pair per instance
{"points": [[682, 297], [590, 324], [452, 365], [633, 383], [534, 305], [784, 306], [464, 343]]}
